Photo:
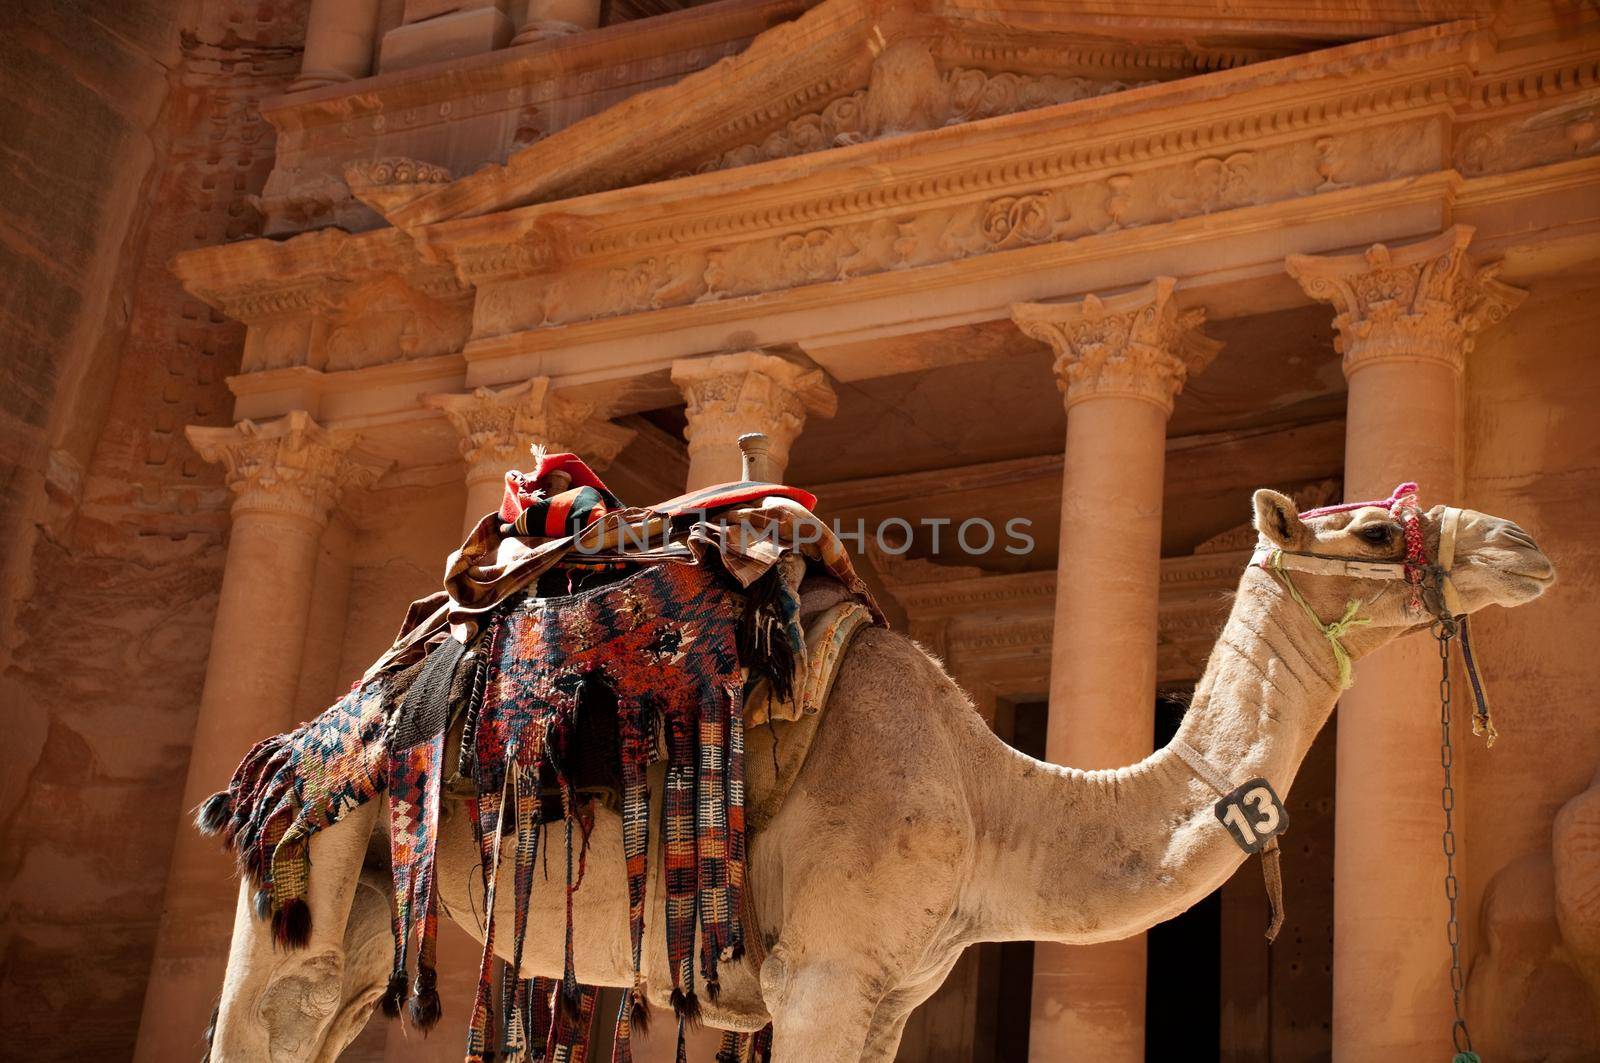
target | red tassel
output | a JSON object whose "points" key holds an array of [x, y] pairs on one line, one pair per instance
{"points": [[291, 924]]}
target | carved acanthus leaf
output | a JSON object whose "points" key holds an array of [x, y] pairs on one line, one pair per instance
{"points": [[498, 426], [728, 395], [288, 466], [1137, 345], [1424, 300]]}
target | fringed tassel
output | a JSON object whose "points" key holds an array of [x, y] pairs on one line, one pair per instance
{"points": [[767, 641], [291, 880], [527, 816], [416, 783], [394, 996], [491, 825], [733, 704], [711, 835], [213, 814], [426, 1007], [571, 1040], [678, 843], [637, 740]]}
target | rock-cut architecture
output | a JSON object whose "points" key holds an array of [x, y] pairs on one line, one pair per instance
{"points": [[292, 283]]}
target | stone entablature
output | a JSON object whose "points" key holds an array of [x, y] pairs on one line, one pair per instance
{"points": [[1351, 142], [331, 301]]}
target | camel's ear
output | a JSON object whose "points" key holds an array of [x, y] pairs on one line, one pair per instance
{"points": [[1278, 519]]}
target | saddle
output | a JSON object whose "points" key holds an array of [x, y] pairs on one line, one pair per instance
{"points": [[575, 643]]}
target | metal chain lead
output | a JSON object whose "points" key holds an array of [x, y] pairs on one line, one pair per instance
{"points": [[1444, 631]]}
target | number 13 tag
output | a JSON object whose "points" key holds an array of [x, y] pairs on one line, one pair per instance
{"points": [[1253, 815]]}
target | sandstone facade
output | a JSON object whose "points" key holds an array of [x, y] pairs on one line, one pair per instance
{"points": [[293, 283]]}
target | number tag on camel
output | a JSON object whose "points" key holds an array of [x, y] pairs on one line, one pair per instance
{"points": [[1253, 815]]}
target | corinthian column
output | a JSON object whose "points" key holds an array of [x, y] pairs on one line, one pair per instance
{"points": [[286, 477], [339, 42], [1120, 363], [1405, 322], [728, 395], [498, 426]]}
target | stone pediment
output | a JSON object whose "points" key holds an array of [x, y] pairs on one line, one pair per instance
{"points": [[846, 72]]}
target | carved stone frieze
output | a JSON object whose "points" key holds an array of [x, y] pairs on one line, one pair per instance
{"points": [[389, 318], [728, 395], [291, 466], [497, 426], [1215, 183], [1135, 345], [609, 271], [907, 93], [1421, 301]]}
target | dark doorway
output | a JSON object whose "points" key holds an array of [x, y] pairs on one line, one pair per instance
{"points": [[1183, 977]]}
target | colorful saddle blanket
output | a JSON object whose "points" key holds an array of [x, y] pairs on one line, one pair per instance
{"points": [[666, 651]]}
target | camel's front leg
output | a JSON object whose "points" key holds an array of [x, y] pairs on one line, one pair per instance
{"points": [[889, 1020], [821, 1009], [368, 959], [279, 1005]]}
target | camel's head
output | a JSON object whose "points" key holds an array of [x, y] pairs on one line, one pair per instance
{"points": [[1490, 560]]}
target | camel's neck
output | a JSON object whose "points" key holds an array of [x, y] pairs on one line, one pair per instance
{"points": [[1085, 856]]}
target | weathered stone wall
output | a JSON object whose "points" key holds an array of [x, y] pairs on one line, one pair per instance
{"points": [[1533, 454], [131, 133]]}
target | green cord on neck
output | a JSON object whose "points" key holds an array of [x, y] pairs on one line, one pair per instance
{"points": [[1333, 632]]}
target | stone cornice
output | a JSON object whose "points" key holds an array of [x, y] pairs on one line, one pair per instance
{"points": [[1191, 119], [254, 279], [1420, 301], [792, 68], [289, 467], [1136, 344]]}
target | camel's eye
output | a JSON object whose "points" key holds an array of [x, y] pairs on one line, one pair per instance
{"points": [[1377, 534]]}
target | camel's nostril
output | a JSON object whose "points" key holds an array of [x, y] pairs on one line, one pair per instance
{"points": [[1510, 531]]}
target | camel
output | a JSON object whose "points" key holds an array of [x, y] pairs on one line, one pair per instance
{"points": [[911, 831]]}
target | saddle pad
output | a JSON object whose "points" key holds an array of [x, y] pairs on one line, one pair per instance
{"points": [[827, 638], [660, 649]]}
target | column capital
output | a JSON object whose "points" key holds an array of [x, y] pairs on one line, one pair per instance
{"points": [[728, 395], [1134, 345], [290, 466], [498, 425], [1424, 301]]}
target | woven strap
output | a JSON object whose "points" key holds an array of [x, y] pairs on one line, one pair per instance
{"points": [[1271, 866]]}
